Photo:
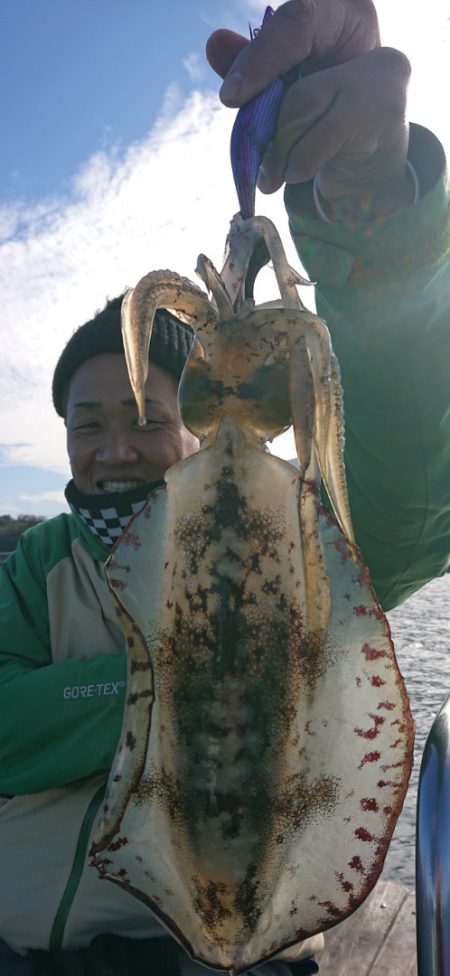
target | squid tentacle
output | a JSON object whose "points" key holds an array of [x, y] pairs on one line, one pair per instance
{"points": [[158, 289]]}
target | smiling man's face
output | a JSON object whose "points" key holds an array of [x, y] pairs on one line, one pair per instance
{"points": [[107, 450]]}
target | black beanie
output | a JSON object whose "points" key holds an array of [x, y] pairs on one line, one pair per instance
{"points": [[169, 347]]}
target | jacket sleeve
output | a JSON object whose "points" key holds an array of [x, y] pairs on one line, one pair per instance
{"points": [[384, 290], [59, 722]]}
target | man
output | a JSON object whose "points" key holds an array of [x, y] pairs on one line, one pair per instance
{"points": [[380, 257]]}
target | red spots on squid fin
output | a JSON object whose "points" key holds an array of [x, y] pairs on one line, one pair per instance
{"points": [[362, 834], [356, 864], [369, 803], [332, 909], [369, 758], [376, 682], [371, 653], [372, 732]]}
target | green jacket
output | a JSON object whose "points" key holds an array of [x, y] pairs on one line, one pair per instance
{"points": [[384, 290], [62, 682]]}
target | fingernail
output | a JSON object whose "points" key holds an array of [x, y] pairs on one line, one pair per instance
{"points": [[232, 86], [269, 175], [263, 182]]}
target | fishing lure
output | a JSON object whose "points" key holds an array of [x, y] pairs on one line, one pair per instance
{"points": [[252, 134]]}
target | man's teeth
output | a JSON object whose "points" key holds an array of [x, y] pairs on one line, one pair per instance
{"points": [[113, 486]]}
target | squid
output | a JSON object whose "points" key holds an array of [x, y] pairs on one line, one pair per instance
{"points": [[267, 738]]}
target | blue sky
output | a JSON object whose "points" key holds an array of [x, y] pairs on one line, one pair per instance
{"points": [[114, 162], [77, 75]]}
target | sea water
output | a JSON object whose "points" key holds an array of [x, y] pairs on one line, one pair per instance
{"points": [[421, 634]]}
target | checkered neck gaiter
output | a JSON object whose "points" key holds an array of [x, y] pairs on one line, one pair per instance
{"points": [[107, 515]]}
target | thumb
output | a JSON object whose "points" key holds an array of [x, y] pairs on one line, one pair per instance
{"points": [[222, 49]]}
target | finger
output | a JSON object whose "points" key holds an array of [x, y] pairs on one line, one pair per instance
{"points": [[222, 49], [316, 148], [284, 41], [310, 152], [314, 33], [271, 171], [306, 102]]}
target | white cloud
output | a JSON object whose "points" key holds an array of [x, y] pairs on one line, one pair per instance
{"points": [[45, 496], [195, 67], [9, 220]]}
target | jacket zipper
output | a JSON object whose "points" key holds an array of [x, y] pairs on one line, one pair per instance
{"points": [[79, 861]]}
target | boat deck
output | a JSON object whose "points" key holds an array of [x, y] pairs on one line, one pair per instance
{"points": [[379, 939]]}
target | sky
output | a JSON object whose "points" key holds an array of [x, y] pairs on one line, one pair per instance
{"points": [[115, 162]]}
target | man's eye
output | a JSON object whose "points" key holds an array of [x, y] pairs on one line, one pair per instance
{"points": [[86, 427], [151, 423]]}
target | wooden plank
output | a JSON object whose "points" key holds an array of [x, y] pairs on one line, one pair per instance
{"points": [[397, 956], [354, 945]]}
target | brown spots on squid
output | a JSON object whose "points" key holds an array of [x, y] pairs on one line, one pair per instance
{"points": [[356, 864], [377, 682], [304, 801], [331, 908], [231, 512], [131, 539], [373, 731], [364, 611], [396, 744], [346, 885], [369, 803], [164, 789], [137, 695], [130, 741], [369, 757], [210, 905], [397, 765], [136, 665], [118, 567], [364, 835], [117, 844], [372, 653], [118, 585], [342, 548], [315, 655], [248, 898], [101, 863]]}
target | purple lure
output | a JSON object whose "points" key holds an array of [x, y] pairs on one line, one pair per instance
{"points": [[252, 132]]}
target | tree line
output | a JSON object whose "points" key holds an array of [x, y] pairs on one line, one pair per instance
{"points": [[11, 529]]}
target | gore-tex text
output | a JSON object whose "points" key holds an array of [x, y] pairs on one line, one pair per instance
{"points": [[93, 691]]}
